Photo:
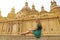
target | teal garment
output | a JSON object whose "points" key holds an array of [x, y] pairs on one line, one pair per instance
{"points": [[37, 33], [38, 25]]}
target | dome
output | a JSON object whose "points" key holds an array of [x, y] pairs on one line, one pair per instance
{"points": [[26, 8], [43, 10], [33, 11]]}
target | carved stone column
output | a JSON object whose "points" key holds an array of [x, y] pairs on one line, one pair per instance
{"points": [[10, 27], [18, 29], [2, 27]]}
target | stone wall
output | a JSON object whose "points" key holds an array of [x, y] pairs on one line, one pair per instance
{"points": [[49, 26]]}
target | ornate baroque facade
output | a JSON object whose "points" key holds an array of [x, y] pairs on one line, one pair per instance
{"points": [[14, 24]]}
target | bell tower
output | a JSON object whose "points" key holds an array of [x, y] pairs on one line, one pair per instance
{"points": [[11, 15], [26, 3], [42, 8], [33, 7], [13, 10], [53, 4]]}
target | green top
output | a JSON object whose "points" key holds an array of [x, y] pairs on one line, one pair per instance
{"points": [[37, 33]]}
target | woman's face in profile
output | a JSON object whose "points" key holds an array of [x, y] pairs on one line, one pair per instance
{"points": [[37, 21]]}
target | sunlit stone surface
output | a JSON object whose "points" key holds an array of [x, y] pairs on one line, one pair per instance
{"points": [[12, 25]]}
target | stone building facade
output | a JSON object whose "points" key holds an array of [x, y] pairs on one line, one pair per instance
{"points": [[15, 23]]}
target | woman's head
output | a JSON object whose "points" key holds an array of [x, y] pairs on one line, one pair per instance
{"points": [[38, 21]]}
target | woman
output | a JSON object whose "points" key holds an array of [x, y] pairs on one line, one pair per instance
{"points": [[36, 31]]}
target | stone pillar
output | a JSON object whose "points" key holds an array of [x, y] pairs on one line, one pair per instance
{"points": [[59, 25], [14, 28], [10, 27], [18, 29], [21, 26], [2, 27]]}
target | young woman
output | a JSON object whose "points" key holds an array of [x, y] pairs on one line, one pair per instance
{"points": [[37, 31]]}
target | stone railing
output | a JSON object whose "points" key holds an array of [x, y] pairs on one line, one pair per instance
{"points": [[19, 37]]}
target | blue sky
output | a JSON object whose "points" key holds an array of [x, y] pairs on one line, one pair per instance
{"points": [[6, 5]]}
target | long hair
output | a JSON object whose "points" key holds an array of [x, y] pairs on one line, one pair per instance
{"points": [[39, 27]]}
